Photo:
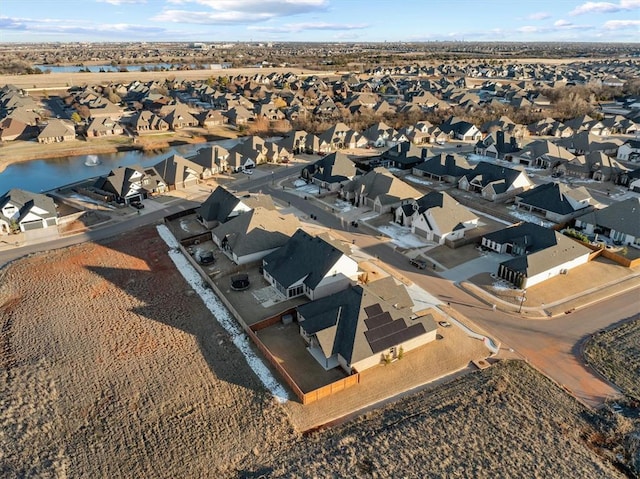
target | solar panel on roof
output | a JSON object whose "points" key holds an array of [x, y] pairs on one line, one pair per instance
{"points": [[373, 310], [385, 330], [396, 338], [377, 321]]}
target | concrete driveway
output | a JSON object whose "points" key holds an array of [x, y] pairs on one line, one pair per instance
{"points": [[488, 263]]}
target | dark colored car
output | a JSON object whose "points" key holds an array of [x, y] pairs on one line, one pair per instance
{"points": [[418, 263], [137, 205]]}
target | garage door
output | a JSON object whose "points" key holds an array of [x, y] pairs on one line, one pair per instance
{"points": [[32, 225]]}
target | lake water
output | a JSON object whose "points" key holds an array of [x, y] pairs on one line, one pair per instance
{"points": [[109, 68], [44, 175]]}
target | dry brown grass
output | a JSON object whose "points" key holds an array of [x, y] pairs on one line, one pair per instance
{"points": [[615, 354], [506, 421]]}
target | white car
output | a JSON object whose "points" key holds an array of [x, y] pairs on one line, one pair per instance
{"points": [[248, 172]]}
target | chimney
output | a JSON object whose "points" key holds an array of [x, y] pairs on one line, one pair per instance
{"points": [[500, 140]]}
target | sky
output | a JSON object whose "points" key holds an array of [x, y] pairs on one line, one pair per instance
{"points": [[318, 20]]}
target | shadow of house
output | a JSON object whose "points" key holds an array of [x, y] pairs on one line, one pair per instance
{"points": [[144, 285]]}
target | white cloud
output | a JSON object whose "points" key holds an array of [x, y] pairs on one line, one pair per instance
{"points": [[121, 2], [51, 26], [531, 29], [299, 27], [605, 7], [238, 11], [539, 16], [621, 24]]}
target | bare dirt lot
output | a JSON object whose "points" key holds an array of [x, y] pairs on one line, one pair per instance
{"points": [[110, 366]]}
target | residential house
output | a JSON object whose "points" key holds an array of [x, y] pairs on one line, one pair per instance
{"points": [[499, 145], [252, 235], [219, 207], [619, 221], [25, 211], [239, 115], [557, 202], [213, 160], [290, 271], [148, 122], [595, 165], [437, 217], [380, 134], [340, 136], [103, 126], [12, 129], [538, 253], [495, 182], [363, 325], [57, 131], [178, 116], [584, 142], [403, 156], [443, 167], [331, 172], [131, 183], [178, 172], [380, 191], [629, 151], [460, 129], [211, 118], [543, 154]]}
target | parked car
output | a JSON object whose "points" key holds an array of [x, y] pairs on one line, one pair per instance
{"points": [[137, 205], [444, 324], [418, 263]]}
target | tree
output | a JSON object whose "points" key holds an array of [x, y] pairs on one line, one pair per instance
{"points": [[76, 117]]}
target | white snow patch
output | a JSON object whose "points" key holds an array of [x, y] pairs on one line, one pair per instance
{"points": [[401, 236], [309, 189], [480, 213], [213, 303], [184, 225], [501, 285], [418, 180], [531, 218], [369, 217], [343, 206]]}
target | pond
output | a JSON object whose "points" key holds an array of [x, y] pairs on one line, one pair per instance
{"points": [[112, 68], [43, 175]]}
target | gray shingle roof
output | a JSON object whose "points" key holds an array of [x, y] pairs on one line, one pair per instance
{"points": [[553, 197], [218, 206], [623, 216], [302, 257]]}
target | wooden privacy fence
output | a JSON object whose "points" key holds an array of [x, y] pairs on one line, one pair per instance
{"points": [[308, 397], [332, 388]]}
